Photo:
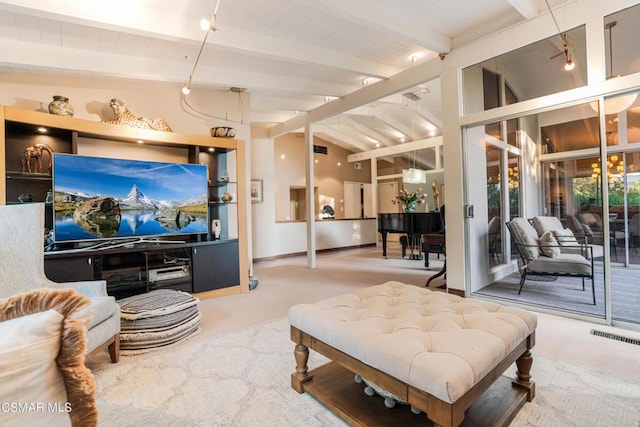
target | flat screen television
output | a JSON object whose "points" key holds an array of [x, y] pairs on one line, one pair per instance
{"points": [[102, 198]]}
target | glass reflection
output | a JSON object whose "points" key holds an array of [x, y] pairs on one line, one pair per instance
{"points": [[526, 73]]}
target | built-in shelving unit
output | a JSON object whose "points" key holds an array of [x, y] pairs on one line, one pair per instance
{"points": [[202, 264]]}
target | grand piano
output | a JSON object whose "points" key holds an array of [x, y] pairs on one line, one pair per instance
{"points": [[412, 224], [427, 227]]}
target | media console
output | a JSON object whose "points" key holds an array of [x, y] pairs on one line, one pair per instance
{"points": [[129, 270], [215, 261]]}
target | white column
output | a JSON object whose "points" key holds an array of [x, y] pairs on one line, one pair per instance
{"points": [[311, 202]]}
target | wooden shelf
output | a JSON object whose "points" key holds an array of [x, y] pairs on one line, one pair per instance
{"points": [[28, 175], [334, 387]]}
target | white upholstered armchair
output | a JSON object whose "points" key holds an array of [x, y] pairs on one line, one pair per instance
{"points": [[22, 270]]}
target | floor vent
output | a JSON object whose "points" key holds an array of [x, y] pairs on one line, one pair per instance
{"points": [[615, 337]]}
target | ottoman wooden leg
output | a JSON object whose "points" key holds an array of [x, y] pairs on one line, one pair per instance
{"points": [[301, 375], [524, 363]]}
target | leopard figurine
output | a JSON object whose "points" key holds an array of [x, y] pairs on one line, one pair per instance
{"points": [[123, 116]]}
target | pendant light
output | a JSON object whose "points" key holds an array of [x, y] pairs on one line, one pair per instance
{"points": [[616, 104]]}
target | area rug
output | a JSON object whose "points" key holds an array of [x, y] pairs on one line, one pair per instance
{"points": [[243, 379]]}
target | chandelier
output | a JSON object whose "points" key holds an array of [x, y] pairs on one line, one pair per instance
{"points": [[615, 169]]}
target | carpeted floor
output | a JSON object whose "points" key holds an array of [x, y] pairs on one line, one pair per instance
{"points": [[243, 379]]}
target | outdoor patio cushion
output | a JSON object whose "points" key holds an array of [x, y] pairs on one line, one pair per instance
{"points": [[563, 264], [525, 233], [542, 224], [565, 237], [549, 245]]}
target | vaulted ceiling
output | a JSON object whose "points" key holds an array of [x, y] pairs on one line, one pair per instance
{"points": [[292, 56]]}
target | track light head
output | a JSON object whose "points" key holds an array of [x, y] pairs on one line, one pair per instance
{"points": [[186, 89], [569, 65]]}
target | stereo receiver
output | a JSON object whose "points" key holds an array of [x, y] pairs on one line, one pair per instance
{"points": [[168, 273]]}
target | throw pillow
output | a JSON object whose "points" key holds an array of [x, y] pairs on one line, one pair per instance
{"points": [[42, 355], [587, 230], [565, 237], [32, 389], [549, 245]]}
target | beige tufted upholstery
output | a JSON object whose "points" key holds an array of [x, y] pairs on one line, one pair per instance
{"points": [[440, 343]]}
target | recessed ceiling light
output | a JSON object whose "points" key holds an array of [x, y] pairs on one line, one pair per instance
{"points": [[316, 160], [42, 130], [282, 156], [211, 149], [140, 141], [339, 164], [365, 82]]}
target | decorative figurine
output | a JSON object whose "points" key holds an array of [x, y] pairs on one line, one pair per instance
{"points": [[436, 195], [122, 116], [34, 152], [216, 228]]}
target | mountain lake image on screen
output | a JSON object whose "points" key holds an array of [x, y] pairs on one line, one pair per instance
{"points": [[104, 198]]}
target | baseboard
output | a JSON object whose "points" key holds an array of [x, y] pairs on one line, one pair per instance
{"points": [[458, 292], [296, 254]]}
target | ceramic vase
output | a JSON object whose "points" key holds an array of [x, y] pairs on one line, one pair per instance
{"points": [[60, 106], [409, 207], [226, 197]]}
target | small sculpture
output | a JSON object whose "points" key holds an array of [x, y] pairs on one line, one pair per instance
{"points": [[35, 153], [216, 229], [436, 195], [25, 198], [223, 132], [122, 116]]}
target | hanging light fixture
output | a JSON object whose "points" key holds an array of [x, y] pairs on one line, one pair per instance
{"points": [[619, 103], [207, 25], [568, 64], [414, 175]]}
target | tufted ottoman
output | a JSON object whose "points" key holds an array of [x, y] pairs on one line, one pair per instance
{"points": [[441, 353]]}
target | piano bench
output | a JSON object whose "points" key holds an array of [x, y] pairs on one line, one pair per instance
{"points": [[404, 243]]}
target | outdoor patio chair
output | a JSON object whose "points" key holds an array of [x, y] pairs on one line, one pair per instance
{"points": [[494, 235], [569, 242], [634, 232], [542, 256]]}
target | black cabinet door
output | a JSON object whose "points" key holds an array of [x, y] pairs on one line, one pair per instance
{"points": [[215, 266], [72, 269]]}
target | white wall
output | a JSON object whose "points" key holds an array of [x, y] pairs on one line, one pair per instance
{"points": [[271, 238], [90, 99]]}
